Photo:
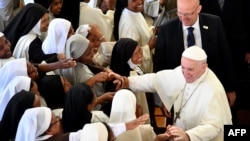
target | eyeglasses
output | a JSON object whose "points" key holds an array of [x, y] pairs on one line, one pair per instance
{"points": [[58, 119], [186, 14]]}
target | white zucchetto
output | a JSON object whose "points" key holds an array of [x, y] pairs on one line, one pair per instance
{"points": [[195, 53]]}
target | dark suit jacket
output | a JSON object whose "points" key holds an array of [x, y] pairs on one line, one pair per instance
{"points": [[235, 18], [211, 7], [170, 45]]}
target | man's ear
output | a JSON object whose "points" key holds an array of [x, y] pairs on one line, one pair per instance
{"points": [[204, 66]]}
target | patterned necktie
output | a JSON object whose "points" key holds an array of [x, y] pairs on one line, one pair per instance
{"points": [[190, 37]]}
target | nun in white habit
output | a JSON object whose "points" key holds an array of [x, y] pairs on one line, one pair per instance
{"points": [[22, 47], [103, 55], [90, 15], [15, 85], [80, 49], [124, 112], [94, 132], [131, 23], [34, 122], [57, 36], [15, 67], [36, 125]]}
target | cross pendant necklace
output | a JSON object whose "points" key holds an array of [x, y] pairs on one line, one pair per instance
{"points": [[177, 114]]}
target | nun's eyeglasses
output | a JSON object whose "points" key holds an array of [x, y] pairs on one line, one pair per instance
{"points": [[58, 119]]}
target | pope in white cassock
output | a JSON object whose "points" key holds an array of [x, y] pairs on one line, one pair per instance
{"points": [[201, 107]]}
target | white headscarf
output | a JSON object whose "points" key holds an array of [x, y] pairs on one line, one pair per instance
{"points": [[83, 30], [94, 132], [15, 85], [34, 122], [16, 67], [124, 111], [56, 38]]}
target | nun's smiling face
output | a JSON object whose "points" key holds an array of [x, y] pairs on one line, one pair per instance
{"points": [[88, 55], [137, 55], [55, 125], [56, 6], [5, 48], [135, 5], [95, 40], [44, 22]]}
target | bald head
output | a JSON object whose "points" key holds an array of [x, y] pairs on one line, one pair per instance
{"points": [[188, 1]]}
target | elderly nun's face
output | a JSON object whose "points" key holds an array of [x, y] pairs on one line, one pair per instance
{"points": [[95, 40], [88, 55], [137, 55]]}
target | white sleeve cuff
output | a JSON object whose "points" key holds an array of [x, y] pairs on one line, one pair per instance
{"points": [[117, 128]]}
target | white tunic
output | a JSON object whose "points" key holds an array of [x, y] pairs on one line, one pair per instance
{"points": [[90, 15], [206, 108], [103, 56], [133, 25]]}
